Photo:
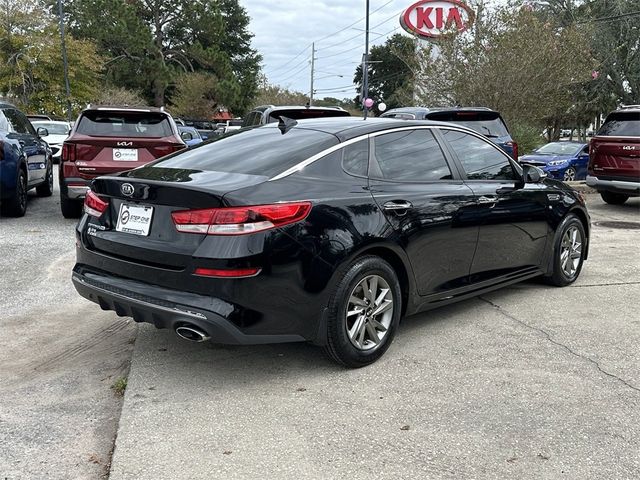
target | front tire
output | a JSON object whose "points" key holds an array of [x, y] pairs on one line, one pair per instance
{"points": [[569, 175], [614, 198], [364, 313], [568, 252], [16, 205]]}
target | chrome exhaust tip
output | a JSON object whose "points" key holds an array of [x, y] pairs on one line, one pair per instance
{"points": [[192, 333]]}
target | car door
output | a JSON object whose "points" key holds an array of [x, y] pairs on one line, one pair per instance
{"points": [[33, 148], [511, 215], [424, 200], [582, 163]]}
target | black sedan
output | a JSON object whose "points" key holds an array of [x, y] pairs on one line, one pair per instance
{"points": [[325, 231]]}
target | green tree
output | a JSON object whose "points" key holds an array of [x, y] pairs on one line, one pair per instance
{"points": [[151, 43], [391, 71]]}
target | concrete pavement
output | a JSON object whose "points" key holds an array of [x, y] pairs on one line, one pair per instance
{"points": [[531, 382]]}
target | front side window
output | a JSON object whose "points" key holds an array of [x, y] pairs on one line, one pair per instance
{"points": [[480, 159], [411, 156]]}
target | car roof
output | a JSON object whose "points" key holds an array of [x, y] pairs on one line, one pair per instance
{"points": [[264, 108], [116, 108], [346, 128], [437, 109]]}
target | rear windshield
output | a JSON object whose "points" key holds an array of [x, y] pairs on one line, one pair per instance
{"points": [[259, 151], [488, 124], [300, 114], [621, 124], [124, 124]]}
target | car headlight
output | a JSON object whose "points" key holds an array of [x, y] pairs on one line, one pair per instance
{"points": [[555, 163]]}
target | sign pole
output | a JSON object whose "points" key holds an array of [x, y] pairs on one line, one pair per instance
{"points": [[313, 60], [365, 64], [65, 64]]}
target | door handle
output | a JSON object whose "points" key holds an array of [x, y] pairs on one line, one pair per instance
{"points": [[395, 206], [485, 200]]}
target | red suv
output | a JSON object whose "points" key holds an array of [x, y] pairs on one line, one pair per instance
{"points": [[106, 140], [614, 156]]}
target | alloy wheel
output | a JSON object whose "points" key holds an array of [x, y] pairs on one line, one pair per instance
{"points": [[22, 192], [369, 312], [569, 175], [571, 251]]}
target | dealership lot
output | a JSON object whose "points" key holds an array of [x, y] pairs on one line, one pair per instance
{"points": [[527, 382]]}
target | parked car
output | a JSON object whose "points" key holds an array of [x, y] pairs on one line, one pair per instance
{"points": [[326, 231], [190, 135], [36, 117], [108, 140], [25, 161], [57, 133], [231, 125], [480, 119], [614, 156], [271, 114], [565, 161]]}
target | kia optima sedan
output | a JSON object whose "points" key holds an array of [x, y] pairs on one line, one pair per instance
{"points": [[326, 231]]}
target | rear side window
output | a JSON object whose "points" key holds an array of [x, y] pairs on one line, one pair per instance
{"points": [[301, 114], [124, 124], [411, 156], [260, 151], [480, 159], [621, 124], [355, 158], [489, 124]]}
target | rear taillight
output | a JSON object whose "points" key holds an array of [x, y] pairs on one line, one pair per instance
{"points": [[68, 152], [514, 146], [240, 220], [94, 205], [161, 151]]}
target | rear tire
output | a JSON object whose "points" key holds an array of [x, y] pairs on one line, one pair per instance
{"points": [[614, 198], [364, 313], [70, 208], [46, 189], [569, 248], [16, 205]]}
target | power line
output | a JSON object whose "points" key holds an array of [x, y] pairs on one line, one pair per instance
{"points": [[359, 46], [607, 19], [352, 24], [287, 63]]}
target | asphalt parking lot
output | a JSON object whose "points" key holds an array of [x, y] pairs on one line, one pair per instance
{"points": [[528, 382]]}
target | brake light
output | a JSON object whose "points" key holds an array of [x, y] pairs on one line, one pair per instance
{"points": [[68, 152], [227, 273], [514, 146], [240, 220], [94, 205]]}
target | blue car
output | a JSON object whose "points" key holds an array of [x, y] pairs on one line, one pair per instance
{"points": [[566, 161], [190, 135]]}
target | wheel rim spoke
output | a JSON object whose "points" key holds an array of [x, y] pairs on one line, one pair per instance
{"points": [[369, 312]]}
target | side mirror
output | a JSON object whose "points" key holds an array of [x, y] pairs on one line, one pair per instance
{"points": [[186, 136], [532, 174], [42, 132]]}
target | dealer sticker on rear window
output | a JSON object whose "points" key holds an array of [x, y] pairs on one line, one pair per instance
{"points": [[134, 219]]}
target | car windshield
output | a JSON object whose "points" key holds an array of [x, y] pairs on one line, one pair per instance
{"points": [[559, 148], [301, 114], [621, 124], [488, 124], [53, 128], [259, 151], [124, 124]]}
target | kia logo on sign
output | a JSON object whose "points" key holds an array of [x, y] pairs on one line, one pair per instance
{"points": [[127, 189], [437, 18]]}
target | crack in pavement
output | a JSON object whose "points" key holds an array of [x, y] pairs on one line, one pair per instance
{"points": [[605, 284], [555, 342]]}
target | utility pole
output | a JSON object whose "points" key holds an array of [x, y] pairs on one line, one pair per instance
{"points": [[65, 64], [365, 64], [313, 63]]}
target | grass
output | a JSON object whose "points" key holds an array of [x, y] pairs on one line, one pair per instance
{"points": [[119, 386]]}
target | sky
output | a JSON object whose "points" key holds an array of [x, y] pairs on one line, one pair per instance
{"points": [[284, 31]]}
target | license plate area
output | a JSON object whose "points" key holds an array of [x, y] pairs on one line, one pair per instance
{"points": [[125, 155], [134, 219]]}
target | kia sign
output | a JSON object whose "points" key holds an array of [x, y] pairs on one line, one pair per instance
{"points": [[437, 18]]}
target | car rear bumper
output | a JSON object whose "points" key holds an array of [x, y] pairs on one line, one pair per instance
{"points": [[624, 187], [166, 308]]}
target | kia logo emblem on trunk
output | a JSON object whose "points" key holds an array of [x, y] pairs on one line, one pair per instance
{"points": [[127, 189]]}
